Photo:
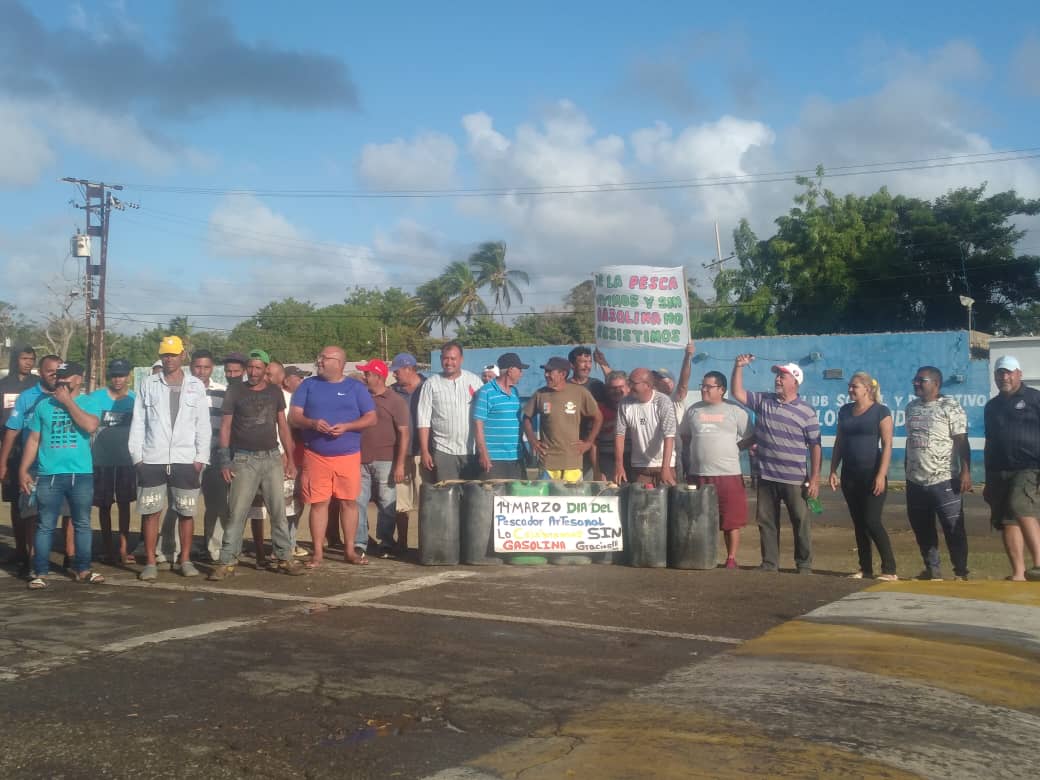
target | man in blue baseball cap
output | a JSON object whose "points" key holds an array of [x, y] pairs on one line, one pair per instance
{"points": [[115, 480]]}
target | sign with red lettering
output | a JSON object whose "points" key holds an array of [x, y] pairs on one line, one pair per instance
{"points": [[642, 306], [557, 524]]}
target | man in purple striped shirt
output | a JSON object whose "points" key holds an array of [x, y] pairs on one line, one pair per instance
{"points": [[785, 427]]}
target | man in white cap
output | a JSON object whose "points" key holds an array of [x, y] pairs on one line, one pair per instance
{"points": [[785, 427], [1013, 466], [936, 430]]}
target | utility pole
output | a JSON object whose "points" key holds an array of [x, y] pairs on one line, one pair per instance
{"points": [[98, 205]]}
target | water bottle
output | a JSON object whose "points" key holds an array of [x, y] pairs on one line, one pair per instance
{"points": [[814, 503]]}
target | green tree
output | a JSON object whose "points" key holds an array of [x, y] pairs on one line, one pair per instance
{"points": [[465, 302], [878, 262], [489, 263], [429, 305]]}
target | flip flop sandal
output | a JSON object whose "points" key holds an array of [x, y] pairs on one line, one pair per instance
{"points": [[360, 560], [313, 564], [129, 560], [90, 578]]}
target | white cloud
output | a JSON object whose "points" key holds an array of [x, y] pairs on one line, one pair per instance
{"points": [[1025, 65], [26, 151], [564, 229], [29, 129], [426, 162], [284, 260]]}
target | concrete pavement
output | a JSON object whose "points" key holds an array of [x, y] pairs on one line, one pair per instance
{"points": [[908, 680]]}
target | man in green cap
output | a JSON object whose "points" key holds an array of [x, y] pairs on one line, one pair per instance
{"points": [[253, 423]]}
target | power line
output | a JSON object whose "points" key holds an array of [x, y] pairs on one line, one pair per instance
{"points": [[860, 169]]}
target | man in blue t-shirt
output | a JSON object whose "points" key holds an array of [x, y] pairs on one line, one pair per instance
{"points": [[496, 421], [331, 410], [59, 436], [115, 481]]}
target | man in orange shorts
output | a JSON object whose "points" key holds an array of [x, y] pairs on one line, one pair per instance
{"points": [[331, 410]]}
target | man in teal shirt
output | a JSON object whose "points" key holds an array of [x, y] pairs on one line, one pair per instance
{"points": [[59, 437]]}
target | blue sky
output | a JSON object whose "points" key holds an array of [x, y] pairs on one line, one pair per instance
{"points": [[234, 101]]}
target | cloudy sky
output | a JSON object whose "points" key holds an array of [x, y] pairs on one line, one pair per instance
{"points": [[278, 155]]}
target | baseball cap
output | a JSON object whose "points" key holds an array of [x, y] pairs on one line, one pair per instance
{"points": [[296, 371], [557, 364], [790, 368], [403, 360], [376, 366], [258, 354], [511, 360], [171, 345], [118, 367], [157, 364], [663, 373], [1007, 363], [493, 368], [235, 357], [68, 369]]}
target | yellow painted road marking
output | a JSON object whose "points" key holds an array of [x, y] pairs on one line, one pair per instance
{"points": [[1026, 594], [630, 739], [984, 674]]}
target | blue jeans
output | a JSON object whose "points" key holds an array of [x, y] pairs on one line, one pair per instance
{"points": [[51, 491], [377, 473], [943, 501], [254, 471]]}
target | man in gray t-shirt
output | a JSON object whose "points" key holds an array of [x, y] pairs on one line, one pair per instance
{"points": [[714, 431]]}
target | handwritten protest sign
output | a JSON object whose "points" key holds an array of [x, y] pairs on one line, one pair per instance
{"points": [[560, 524], [642, 306]]}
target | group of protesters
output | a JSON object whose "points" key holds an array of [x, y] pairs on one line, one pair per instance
{"points": [[276, 438]]}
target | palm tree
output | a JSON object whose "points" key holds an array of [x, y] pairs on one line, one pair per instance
{"points": [[464, 288], [489, 263], [431, 303]]}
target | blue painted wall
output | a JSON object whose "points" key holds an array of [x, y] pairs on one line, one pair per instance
{"points": [[892, 358]]}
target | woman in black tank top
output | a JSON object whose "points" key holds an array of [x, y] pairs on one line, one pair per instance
{"points": [[863, 424]]}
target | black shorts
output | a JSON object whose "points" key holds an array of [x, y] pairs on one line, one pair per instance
{"points": [[181, 476], [11, 488], [114, 485]]}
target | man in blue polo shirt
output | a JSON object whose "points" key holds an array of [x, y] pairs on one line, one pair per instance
{"points": [[496, 421], [59, 433]]}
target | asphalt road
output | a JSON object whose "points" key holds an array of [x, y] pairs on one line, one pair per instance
{"points": [[389, 670]]}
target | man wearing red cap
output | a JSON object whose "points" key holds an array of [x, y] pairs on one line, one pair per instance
{"points": [[384, 448], [785, 427]]}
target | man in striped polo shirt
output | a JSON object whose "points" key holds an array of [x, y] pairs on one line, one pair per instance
{"points": [[443, 419], [785, 427], [496, 421], [214, 488]]}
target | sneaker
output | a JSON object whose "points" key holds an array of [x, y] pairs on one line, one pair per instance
{"points": [[887, 578], [731, 563], [299, 552], [1033, 574], [221, 572], [293, 568], [856, 575], [186, 569], [805, 570], [960, 578], [766, 567], [149, 573], [927, 575]]}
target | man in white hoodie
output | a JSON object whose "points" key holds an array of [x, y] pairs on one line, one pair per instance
{"points": [[169, 444]]}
